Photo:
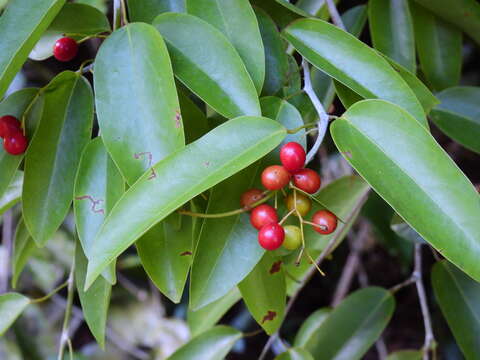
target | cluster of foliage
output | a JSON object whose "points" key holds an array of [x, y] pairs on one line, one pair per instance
{"points": [[141, 155]]}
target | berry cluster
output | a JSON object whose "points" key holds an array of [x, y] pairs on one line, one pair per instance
{"points": [[14, 142], [65, 49], [304, 182]]}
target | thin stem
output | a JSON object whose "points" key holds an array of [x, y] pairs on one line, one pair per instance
{"points": [[228, 213], [50, 294], [337, 20], [286, 216], [64, 337], [293, 94], [429, 338], [82, 65], [117, 17], [124, 12], [297, 129], [7, 241], [321, 227], [322, 114]]}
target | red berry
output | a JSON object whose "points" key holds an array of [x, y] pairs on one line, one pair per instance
{"points": [[263, 215], [275, 177], [8, 124], [292, 156], [271, 236], [326, 221], [15, 144], [307, 180], [65, 49], [250, 197]]}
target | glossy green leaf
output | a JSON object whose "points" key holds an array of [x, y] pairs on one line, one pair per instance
{"points": [[406, 355], [200, 165], [317, 8], [465, 14], [136, 55], [147, 10], [195, 122], [344, 197], [54, 154], [13, 193], [347, 96], [18, 40], [295, 354], [237, 21], [264, 293], [282, 11], [442, 206], [439, 46], [75, 20], [98, 186], [14, 105], [227, 248], [95, 301], [222, 81], [458, 115], [423, 94], [354, 325], [276, 60], [217, 266], [307, 334], [340, 55], [206, 317], [23, 248], [457, 294], [213, 344], [11, 306], [166, 254], [391, 29]]}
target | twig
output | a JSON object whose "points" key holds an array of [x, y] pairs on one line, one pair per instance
{"points": [[322, 114], [64, 337], [429, 338], [7, 242], [140, 294], [337, 20]]}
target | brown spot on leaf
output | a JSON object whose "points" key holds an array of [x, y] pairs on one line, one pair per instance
{"points": [[185, 253], [347, 154], [269, 317], [178, 119], [206, 163], [93, 202], [276, 267], [149, 156]]}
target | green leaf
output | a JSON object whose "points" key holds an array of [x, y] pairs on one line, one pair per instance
{"points": [[344, 197], [77, 21], [276, 60], [391, 29], [237, 21], [206, 317], [227, 248], [465, 14], [195, 121], [98, 186], [14, 105], [217, 267], [295, 354], [308, 333], [423, 94], [183, 175], [136, 55], [347, 96], [13, 193], [222, 81], [340, 55], [457, 294], [54, 154], [439, 46], [405, 355], [166, 254], [264, 293], [11, 306], [442, 205], [95, 300], [354, 325], [282, 11], [18, 39], [458, 115], [147, 10], [213, 344], [22, 250]]}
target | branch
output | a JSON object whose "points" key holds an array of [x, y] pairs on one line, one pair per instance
{"points": [[64, 337], [7, 241], [322, 114], [337, 20]]}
